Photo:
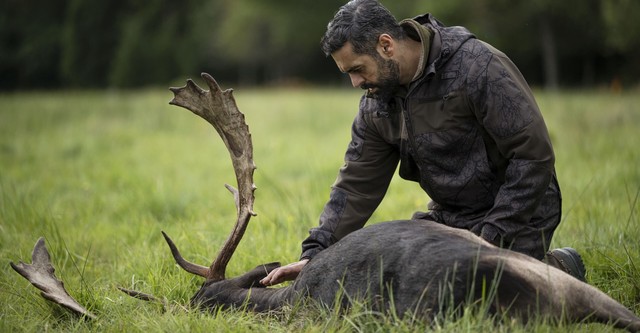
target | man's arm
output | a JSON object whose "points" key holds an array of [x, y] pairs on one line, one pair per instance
{"points": [[370, 162], [362, 182], [506, 109]]}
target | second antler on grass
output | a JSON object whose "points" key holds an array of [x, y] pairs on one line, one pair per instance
{"points": [[219, 108], [41, 274]]}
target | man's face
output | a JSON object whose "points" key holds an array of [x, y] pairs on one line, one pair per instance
{"points": [[380, 76]]}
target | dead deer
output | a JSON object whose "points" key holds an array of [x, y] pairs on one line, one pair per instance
{"points": [[414, 267]]}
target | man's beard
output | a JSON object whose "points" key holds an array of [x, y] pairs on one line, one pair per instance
{"points": [[388, 81]]}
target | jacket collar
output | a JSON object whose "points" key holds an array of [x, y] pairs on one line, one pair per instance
{"points": [[423, 34]]}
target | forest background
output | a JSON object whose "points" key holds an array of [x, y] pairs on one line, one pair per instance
{"points": [[131, 43]]}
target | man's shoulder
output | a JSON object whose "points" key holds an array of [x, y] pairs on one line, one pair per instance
{"points": [[478, 46], [456, 38]]}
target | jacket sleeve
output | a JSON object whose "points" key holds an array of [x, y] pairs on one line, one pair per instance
{"points": [[362, 182], [507, 111]]}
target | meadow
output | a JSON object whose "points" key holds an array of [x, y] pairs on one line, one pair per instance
{"points": [[100, 173]]}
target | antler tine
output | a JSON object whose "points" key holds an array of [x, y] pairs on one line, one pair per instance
{"points": [[219, 108], [187, 266], [41, 274], [214, 87]]}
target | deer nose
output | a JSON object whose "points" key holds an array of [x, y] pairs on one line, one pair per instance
{"points": [[356, 80]]}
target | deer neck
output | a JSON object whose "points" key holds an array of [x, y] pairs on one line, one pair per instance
{"points": [[265, 299], [257, 299]]}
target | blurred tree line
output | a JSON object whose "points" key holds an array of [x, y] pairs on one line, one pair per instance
{"points": [[132, 43]]}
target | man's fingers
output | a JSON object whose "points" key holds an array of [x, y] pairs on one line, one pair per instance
{"points": [[276, 276], [268, 280], [284, 273]]}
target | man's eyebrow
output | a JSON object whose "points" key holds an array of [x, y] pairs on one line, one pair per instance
{"points": [[352, 69]]}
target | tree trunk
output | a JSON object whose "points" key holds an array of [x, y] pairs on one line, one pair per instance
{"points": [[549, 54]]}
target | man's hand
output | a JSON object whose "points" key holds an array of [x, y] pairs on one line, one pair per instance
{"points": [[284, 273]]}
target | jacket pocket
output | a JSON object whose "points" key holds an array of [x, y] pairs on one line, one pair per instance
{"points": [[438, 113]]}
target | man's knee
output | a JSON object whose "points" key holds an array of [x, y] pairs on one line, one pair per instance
{"points": [[534, 243]]}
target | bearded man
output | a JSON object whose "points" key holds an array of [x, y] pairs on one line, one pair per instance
{"points": [[458, 117]]}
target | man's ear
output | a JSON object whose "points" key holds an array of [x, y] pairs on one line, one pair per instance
{"points": [[386, 45]]}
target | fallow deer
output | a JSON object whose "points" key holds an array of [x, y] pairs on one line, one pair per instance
{"points": [[414, 267]]}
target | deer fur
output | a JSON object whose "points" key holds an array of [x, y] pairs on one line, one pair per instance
{"points": [[420, 267]]}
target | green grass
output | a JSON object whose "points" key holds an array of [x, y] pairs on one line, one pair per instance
{"points": [[99, 174]]}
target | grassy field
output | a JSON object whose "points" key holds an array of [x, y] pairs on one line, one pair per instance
{"points": [[99, 174]]}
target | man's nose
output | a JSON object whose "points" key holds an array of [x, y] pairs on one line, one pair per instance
{"points": [[356, 80]]}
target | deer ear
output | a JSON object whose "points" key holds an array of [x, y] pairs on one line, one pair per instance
{"points": [[252, 278]]}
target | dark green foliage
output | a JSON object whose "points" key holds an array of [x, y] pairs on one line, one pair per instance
{"points": [[125, 43]]}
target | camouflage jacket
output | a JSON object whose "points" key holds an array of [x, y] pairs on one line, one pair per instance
{"points": [[468, 130]]}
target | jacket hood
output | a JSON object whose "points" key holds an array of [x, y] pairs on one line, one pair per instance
{"points": [[446, 41]]}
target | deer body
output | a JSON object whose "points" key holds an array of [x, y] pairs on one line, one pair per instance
{"points": [[421, 267]]}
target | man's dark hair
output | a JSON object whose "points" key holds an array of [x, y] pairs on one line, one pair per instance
{"points": [[360, 22]]}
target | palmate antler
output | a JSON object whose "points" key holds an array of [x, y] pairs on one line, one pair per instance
{"points": [[219, 109], [41, 274]]}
